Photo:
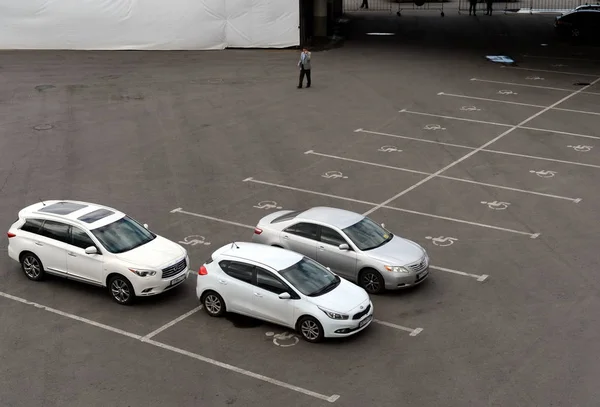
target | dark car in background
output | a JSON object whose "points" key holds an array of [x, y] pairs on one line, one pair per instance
{"points": [[581, 23]]}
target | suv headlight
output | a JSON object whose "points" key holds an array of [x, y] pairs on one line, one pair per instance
{"points": [[334, 315], [143, 273], [396, 269]]}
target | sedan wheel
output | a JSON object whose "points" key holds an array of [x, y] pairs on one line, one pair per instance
{"points": [[372, 282], [213, 304], [32, 267], [310, 329], [121, 290]]}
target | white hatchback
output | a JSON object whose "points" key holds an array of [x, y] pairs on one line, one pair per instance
{"points": [[282, 287], [97, 245]]}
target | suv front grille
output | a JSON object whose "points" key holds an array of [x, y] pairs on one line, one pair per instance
{"points": [[417, 267], [174, 269], [361, 314]]}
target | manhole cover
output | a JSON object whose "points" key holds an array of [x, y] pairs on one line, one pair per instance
{"points": [[41, 88], [581, 84], [43, 127]]}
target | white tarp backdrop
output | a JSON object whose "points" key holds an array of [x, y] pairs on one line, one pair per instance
{"points": [[148, 24]]}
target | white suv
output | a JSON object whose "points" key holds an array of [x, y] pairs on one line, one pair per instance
{"points": [[97, 245]]}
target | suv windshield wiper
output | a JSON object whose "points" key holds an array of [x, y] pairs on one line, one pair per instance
{"points": [[326, 288]]}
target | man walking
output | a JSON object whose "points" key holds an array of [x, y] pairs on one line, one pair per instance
{"points": [[488, 11], [304, 65], [472, 7]]}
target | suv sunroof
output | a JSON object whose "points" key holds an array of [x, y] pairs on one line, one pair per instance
{"points": [[95, 215], [63, 208]]}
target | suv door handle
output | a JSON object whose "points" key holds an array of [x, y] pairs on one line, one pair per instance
{"points": [[71, 254], [258, 294], [38, 243]]}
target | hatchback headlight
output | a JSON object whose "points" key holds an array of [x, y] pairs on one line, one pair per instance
{"points": [[396, 269], [334, 315], [143, 273]]}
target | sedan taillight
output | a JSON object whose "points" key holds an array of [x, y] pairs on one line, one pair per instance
{"points": [[257, 231], [9, 234]]}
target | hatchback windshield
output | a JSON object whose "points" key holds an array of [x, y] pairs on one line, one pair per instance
{"points": [[310, 278], [367, 235], [123, 235]]}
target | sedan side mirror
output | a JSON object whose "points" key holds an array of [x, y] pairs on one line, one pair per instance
{"points": [[344, 246], [91, 250], [285, 296]]}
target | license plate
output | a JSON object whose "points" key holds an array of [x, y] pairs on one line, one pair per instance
{"points": [[365, 321], [178, 279]]}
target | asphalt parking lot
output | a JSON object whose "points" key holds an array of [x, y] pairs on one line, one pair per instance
{"points": [[493, 169]]}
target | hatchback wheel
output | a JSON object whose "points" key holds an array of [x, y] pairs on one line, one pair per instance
{"points": [[32, 267], [121, 290], [371, 281], [213, 304], [310, 329]]}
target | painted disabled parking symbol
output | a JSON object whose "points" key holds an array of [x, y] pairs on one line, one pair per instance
{"points": [[333, 174], [495, 205], [433, 127], [389, 149], [469, 109], [284, 340], [507, 92], [534, 78], [581, 149], [267, 205], [442, 240], [543, 173], [195, 240]]}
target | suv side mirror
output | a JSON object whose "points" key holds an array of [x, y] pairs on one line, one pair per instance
{"points": [[285, 296], [383, 225], [344, 246], [146, 225], [91, 250]]}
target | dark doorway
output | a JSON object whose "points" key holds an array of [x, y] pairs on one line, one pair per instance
{"points": [[306, 22]]}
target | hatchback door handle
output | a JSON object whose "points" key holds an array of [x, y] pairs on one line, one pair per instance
{"points": [[258, 294], [222, 281], [72, 254], [38, 243], [322, 247], [286, 237]]}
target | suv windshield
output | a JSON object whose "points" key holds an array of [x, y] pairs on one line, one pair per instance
{"points": [[310, 278], [367, 235], [123, 235]]}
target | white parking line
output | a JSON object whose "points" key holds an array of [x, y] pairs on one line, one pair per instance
{"points": [[473, 152], [551, 71], [161, 345], [532, 86], [517, 103], [213, 218], [170, 324], [413, 332], [429, 215], [533, 157], [463, 119], [335, 157], [462, 273]]}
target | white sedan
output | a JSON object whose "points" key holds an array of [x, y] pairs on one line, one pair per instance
{"points": [[282, 287]]}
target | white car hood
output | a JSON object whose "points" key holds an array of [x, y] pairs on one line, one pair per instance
{"points": [[344, 298], [156, 254], [397, 252]]}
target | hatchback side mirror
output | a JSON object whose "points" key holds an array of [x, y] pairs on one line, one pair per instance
{"points": [[91, 250], [285, 296], [344, 246]]}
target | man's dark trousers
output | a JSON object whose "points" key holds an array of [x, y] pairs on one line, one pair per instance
{"points": [[304, 72]]}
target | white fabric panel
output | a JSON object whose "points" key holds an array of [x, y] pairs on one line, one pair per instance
{"points": [[148, 24]]}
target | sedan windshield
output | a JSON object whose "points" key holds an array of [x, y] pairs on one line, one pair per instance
{"points": [[310, 278], [123, 235], [367, 235]]}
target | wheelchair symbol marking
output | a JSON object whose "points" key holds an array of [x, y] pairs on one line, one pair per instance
{"points": [[580, 148], [267, 205], [507, 92], [434, 127], [389, 149], [534, 78], [195, 240], [278, 338], [442, 241], [470, 109], [543, 173], [497, 206], [333, 174]]}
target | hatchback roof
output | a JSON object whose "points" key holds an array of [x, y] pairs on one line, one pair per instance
{"points": [[339, 218], [274, 257], [87, 214]]}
